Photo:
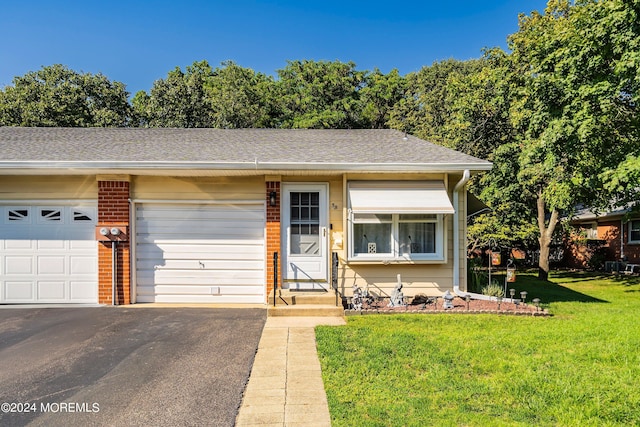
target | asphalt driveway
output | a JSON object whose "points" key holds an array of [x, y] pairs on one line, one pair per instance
{"points": [[125, 366]]}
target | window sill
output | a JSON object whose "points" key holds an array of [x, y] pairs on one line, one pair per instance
{"points": [[394, 261]]}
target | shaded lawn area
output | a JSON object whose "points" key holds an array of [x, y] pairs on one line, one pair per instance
{"points": [[580, 367]]}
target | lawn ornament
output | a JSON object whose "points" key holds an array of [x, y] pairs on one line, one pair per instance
{"points": [[356, 300], [447, 300], [397, 297]]}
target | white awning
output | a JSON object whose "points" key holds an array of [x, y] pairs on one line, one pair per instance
{"points": [[399, 197]]}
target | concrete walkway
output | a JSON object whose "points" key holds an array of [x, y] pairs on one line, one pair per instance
{"points": [[285, 387]]}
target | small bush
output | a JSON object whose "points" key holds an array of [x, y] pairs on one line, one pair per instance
{"points": [[494, 289]]}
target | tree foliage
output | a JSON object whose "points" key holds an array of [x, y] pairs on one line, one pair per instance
{"points": [[240, 98], [58, 96], [573, 106], [319, 94], [180, 100]]}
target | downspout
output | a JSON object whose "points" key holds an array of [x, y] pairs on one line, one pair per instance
{"points": [[456, 239], [114, 272]]}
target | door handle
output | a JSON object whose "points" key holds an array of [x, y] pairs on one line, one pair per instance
{"points": [[324, 231]]}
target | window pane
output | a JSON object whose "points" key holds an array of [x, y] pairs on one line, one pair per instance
{"points": [[418, 217], [371, 218], [18, 215], [635, 231], [417, 238], [371, 238]]}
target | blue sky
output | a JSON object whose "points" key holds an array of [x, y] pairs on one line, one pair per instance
{"points": [[137, 42]]}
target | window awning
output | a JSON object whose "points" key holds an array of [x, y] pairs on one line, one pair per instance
{"points": [[426, 197]]}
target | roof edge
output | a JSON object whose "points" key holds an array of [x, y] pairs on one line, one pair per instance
{"points": [[257, 165]]}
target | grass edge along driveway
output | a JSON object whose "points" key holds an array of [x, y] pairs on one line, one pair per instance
{"points": [[579, 367]]}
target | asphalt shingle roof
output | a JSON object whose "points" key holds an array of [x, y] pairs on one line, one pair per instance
{"points": [[218, 146]]}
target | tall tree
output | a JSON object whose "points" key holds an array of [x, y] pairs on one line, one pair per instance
{"points": [[58, 96], [239, 97], [380, 93], [180, 100], [574, 110], [425, 108], [319, 94]]}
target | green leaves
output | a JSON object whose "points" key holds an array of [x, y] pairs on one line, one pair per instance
{"points": [[58, 96]]}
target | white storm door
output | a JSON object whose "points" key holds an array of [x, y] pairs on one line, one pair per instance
{"points": [[304, 246]]}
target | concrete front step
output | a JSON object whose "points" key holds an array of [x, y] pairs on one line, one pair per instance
{"points": [[306, 310], [292, 298]]}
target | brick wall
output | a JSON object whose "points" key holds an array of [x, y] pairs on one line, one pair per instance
{"points": [[273, 237], [579, 253], [113, 209]]}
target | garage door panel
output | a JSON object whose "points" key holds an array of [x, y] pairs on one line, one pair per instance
{"points": [[229, 230], [199, 266], [203, 299], [89, 246], [19, 291], [18, 265], [204, 278], [50, 290], [203, 252], [153, 214], [51, 264], [12, 244], [82, 291], [83, 265], [51, 244], [201, 247], [200, 274], [44, 254], [196, 253], [202, 290]]}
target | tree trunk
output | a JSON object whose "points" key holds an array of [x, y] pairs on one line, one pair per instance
{"points": [[543, 263], [546, 235]]}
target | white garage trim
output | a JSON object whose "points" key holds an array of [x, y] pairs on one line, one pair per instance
{"points": [[199, 252], [48, 252]]}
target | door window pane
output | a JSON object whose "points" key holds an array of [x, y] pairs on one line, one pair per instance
{"points": [[305, 223]]}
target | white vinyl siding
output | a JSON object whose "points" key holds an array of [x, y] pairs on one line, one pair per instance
{"points": [[198, 253], [48, 254]]}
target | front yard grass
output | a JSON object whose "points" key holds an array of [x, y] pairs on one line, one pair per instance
{"points": [[580, 367]]}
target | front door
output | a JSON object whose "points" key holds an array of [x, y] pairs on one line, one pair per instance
{"points": [[304, 246]]}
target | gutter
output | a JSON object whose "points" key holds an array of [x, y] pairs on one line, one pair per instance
{"points": [[253, 165], [459, 188]]}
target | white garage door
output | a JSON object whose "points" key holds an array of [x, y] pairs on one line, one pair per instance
{"points": [[200, 253], [48, 254]]}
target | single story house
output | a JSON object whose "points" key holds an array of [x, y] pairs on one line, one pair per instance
{"points": [[131, 215], [613, 235]]}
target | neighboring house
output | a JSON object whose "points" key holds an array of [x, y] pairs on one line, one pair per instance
{"points": [[196, 215], [603, 240]]}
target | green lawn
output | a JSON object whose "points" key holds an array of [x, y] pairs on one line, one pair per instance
{"points": [[580, 367]]}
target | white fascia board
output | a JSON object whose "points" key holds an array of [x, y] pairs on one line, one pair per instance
{"points": [[66, 166]]}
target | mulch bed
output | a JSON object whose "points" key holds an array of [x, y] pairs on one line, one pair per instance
{"points": [[459, 307]]}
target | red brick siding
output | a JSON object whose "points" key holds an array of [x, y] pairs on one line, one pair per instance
{"points": [[113, 209], [577, 254], [273, 236]]}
